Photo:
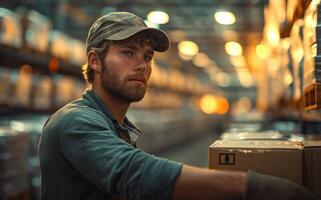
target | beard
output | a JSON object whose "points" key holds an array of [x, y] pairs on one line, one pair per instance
{"points": [[121, 89]]}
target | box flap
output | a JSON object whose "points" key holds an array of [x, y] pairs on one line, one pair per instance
{"points": [[257, 144]]}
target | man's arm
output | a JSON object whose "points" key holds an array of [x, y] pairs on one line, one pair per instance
{"points": [[96, 152], [198, 183]]}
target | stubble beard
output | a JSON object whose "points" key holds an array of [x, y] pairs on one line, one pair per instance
{"points": [[123, 90]]}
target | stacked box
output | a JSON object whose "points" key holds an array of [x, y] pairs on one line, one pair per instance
{"points": [[33, 128], [13, 162], [318, 26], [10, 32], [33, 165], [42, 87], [317, 68], [260, 156], [244, 151], [5, 89], [38, 31], [312, 46]]}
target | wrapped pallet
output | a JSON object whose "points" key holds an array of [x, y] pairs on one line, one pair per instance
{"points": [[13, 162]]}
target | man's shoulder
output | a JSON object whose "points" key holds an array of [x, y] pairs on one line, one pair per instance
{"points": [[74, 118], [76, 112]]}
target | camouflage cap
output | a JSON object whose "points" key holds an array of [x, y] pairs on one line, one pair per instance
{"points": [[120, 26]]}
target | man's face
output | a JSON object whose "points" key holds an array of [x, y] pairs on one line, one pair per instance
{"points": [[126, 70]]}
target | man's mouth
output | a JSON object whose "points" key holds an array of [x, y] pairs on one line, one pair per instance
{"points": [[138, 79]]}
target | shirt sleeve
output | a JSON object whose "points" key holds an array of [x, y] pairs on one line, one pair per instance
{"points": [[114, 166]]}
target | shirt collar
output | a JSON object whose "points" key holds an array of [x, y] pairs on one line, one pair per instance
{"points": [[99, 105]]}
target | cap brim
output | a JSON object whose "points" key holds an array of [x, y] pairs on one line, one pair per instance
{"points": [[162, 42]]}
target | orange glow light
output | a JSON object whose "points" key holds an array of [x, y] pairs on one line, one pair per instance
{"points": [[211, 104], [53, 65], [208, 104], [223, 106]]}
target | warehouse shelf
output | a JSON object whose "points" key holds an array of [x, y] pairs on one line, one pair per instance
{"points": [[44, 63], [312, 96]]}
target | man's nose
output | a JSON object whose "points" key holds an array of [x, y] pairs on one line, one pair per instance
{"points": [[141, 64]]}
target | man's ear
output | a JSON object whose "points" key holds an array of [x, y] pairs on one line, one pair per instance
{"points": [[94, 61]]}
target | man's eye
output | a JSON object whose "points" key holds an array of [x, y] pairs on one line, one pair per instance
{"points": [[128, 53]]}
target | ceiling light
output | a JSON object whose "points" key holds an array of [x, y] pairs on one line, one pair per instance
{"points": [[188, 48], [212, 70], [233, 48], [222, 79], [288, 79], [273, 35], [150, 24], [184, 56], [262, 51], [225, 17], [201, 60], [245, 79], [158, 17], [238, 61]]}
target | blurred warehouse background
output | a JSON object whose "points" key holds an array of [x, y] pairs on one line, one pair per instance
{"points": [[233, 66]]}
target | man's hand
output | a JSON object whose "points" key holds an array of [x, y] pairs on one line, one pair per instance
{"points": [[263, 187]]}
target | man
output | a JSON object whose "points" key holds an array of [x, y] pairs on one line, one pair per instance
{"points": [[87, 148]]}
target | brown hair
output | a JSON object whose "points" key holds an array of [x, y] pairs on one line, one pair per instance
{"points": [[101, 52], [143, 38]]}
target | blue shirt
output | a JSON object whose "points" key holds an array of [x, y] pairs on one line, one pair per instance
{"points": [[83, 156]]}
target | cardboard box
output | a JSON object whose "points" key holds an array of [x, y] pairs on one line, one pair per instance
{"points": [[312, 165], [262, 135], [274, 157], [257, 135]]}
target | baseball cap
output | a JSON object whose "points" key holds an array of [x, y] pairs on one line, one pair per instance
{"points": [[120, 26]]}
